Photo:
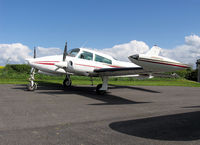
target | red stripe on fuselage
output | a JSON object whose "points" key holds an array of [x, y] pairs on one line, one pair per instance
{"points": [[165, 63], [53, 63], [97, 66], [87, 65], [46, 62], [114, 66]]}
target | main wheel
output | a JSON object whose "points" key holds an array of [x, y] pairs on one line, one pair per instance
{"points": [[98, 91], [32, 87], [67, 83]]}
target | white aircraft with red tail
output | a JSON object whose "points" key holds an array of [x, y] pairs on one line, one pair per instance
{"points": [[86, 62]]}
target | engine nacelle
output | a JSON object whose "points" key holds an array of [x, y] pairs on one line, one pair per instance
{"points": [[47, 73]]}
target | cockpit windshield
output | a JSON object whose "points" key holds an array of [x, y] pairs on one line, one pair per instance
{"points": [[74, 52]]}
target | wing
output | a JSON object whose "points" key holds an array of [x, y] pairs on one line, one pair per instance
{"points": [[120, 71]]}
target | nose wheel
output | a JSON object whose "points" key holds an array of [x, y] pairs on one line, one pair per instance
{"points": [[32, 86], [67, 82]]}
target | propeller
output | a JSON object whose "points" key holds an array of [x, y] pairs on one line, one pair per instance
{"points": [[66, 65], [34, 55], [65, 52], [63, 64]]}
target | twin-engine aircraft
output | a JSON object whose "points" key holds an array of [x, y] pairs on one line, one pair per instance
{"points": [[86, 62]]}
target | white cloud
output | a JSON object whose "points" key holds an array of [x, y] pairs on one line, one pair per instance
{"points": [[41, 51], [187, 53], [122, 51], [13, 53], [192, 40], [17, 53]]}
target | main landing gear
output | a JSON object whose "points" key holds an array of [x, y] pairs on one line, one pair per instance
{"points": [[32, 85], [102, 88], [67, 82]]}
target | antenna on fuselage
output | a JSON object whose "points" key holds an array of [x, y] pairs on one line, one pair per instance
{"points": [[65, 52]]}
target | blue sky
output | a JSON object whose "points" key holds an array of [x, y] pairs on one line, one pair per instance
{"points": [[100, 23]]}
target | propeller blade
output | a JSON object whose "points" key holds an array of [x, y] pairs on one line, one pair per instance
{"points": [[65, 52], [34, 55]]}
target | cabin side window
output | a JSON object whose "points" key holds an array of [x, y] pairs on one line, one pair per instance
{"points": [[99, 58], [86, 55]]}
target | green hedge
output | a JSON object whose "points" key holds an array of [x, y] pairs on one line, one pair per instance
{"points": [[17, 68], [188, 74]]}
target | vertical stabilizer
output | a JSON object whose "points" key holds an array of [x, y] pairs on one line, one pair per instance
{"points": [[154, 51]]}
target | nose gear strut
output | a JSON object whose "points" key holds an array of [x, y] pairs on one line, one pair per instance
{"points": [[32, 85]]}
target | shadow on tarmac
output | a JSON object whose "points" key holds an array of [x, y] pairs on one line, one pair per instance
{"points": [[87, 91], [192, 107], [134, 88], [178, 127]]}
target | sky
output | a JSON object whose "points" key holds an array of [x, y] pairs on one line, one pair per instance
{"points": [[126, 26]]}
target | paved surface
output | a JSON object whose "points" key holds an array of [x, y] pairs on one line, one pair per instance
{"points": [[126, 115]]}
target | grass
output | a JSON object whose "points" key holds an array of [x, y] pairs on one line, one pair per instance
{"points": [[11, 77], [158, 82], [113, 81]]}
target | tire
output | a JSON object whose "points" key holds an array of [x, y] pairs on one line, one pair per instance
{"points": [[98, 91], [35, 86], [32, 88], [67, 83]]}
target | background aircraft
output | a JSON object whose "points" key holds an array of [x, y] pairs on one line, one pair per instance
{"points": [[86, 62]]}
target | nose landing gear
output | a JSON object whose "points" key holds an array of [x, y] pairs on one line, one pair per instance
{"points": [[32, 85]]}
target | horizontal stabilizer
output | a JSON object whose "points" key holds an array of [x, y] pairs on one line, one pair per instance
{"points": [[151, 61]]}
